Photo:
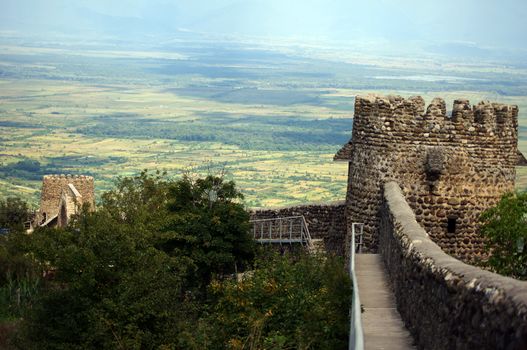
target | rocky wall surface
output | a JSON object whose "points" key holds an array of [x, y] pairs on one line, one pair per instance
{"points": [[450, 167], [324, 220], [445, 303], [53, 186]]}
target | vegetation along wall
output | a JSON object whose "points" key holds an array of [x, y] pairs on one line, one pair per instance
{"points": [[445, 303]]}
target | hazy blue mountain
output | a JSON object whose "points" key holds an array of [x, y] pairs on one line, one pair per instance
{"points": [[479, 23]]}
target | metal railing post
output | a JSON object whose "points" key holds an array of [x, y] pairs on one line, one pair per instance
{"points": [[356, 337], [302, 230], [360, 237], [306, 229], [280, 229], [298, 230]]}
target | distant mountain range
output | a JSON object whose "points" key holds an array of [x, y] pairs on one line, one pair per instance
{"points": [[477, 23]]}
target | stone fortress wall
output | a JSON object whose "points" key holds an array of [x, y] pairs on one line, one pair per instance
{"points": [[450, 168], [53, 187], [324, 220], [445, 303]]}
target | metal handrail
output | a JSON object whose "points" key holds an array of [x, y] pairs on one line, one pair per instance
{"points": [[304, 236], [279, 218], [306, 233], [356, 337]]}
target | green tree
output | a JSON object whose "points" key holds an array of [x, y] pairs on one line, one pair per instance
{"points": [[111, 289], [19, 275], [139, 201], [209, 225], [505, 230], [13, 264], [202, 219], [13, 213], [129, 275]]}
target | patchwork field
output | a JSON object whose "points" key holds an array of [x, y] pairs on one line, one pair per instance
{"points": [[117, 131], [271, 119]]}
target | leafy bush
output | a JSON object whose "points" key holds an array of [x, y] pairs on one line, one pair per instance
{"points": [[111, 289], [13, 213], [20, 277], [153, 267], [201, 219], [17, 295], [286, 303], [209, 226], [505, 229], [130, 275]]}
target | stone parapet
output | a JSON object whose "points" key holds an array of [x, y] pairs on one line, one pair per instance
{"points": [[445, 303], [394, 114]]}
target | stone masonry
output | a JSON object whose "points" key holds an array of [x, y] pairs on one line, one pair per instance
{"points": [[445, 303], [57, 193], [450, 168], [326, 221]]}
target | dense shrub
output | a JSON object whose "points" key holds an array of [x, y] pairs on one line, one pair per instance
{"points": [[132, 274], [153, 268], [13, 213], [287, 302], [111, 289], [19, 275], [505, 229]]}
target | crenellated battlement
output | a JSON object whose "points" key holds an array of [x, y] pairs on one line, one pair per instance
{"points": [[395, 113], [60, 177], [450, 166]]}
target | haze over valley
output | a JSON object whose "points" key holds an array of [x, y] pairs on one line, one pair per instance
{"points": [[264, 90]]}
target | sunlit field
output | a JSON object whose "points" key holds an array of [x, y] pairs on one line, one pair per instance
{"points": [[271, 119]]}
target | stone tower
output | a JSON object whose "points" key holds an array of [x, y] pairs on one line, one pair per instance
{"points": [[450, 168], [62, 195]]}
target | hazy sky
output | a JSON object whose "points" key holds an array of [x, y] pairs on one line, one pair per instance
{"points": [[483, 22]]}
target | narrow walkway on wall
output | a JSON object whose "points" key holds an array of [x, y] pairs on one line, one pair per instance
{"points": [[382, 324]]}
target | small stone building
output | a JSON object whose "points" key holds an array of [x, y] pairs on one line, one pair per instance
{"points": [[450, 167], [62, 196]]}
